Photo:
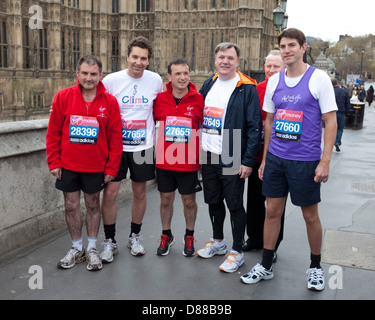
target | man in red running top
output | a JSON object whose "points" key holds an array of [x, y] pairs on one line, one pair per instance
{"points": [[179, 111], [84, 147]]}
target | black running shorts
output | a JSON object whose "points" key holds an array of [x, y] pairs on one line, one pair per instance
{"points": [[186, 182], [141, 165], [72, 181]]}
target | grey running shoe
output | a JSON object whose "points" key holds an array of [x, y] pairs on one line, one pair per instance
{"points": [[71, 258], [93, 260], [135, 245], [213, 248], [110, 250], [233, 262]]}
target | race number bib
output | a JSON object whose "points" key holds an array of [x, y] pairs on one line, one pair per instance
{"points": [[83, 130], [213, 120], [134, 132], [178, 129], [288, 124]]}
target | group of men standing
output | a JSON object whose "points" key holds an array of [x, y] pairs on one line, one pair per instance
{"points": [[100, 130]]}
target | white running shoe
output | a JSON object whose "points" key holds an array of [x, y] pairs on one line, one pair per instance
{"points": [[93, 260], [213, 248], [315, 279], [257, 273], [135, 245], [110, 250], [71, 258], [233, 262]]}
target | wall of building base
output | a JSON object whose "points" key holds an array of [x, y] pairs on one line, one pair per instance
{"points": [[30, 205]]}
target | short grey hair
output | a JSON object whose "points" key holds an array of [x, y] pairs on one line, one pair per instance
{"points": [[273, 53], [91, 61], [227, 45]]}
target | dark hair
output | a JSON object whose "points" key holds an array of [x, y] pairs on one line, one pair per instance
{"points": [[334, 82], [177, 62], [90, 60], [227, 45], [140, 42], [293, 33]]}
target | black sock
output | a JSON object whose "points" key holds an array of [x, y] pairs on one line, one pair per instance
{"points": [[167, 233], [189, 233], [110, 231], [135, 228], [267, 258], [315, 261]]}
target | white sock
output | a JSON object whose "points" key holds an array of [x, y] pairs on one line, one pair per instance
{"points": [[92, 243], [77, 244]]}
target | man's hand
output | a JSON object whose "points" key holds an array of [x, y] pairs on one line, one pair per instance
{"points": [[245, 172], [108, 178], [322, 172], [57, 173], [261, 170]]}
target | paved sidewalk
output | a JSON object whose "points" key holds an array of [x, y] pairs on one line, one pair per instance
{"points": [[347, 213]]}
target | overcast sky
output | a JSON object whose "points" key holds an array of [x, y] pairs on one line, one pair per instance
{"points": [[327, 19]]}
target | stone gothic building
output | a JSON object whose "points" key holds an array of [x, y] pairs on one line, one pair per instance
{"points": [[41, 41]]}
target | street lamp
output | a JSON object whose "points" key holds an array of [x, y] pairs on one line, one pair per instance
{"points": [[278, 17], [362, 52]]}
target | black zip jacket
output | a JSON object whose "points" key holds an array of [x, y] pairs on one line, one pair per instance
{"points": [[243, 113]]}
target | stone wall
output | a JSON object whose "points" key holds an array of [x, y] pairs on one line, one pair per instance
{"points": [[30, 206]]}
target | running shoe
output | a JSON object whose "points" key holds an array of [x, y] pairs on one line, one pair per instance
{"points": [[189, 250], [110, 250], [233, 262], [71, 258], [213, 248], [93, 260], [315, 279], [257, 273], [135, 245], [165, 243]]}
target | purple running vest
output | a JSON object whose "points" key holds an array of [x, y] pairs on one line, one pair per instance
{"points": [[297, 128]]}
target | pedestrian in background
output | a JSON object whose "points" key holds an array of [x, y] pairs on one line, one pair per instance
{"points": [[370, 95], [343, 105]]}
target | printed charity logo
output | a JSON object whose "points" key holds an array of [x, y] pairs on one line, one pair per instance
{"points": [[292, 99]]}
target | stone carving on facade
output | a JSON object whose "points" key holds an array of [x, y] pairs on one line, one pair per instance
{"points": [[141, 22]]}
